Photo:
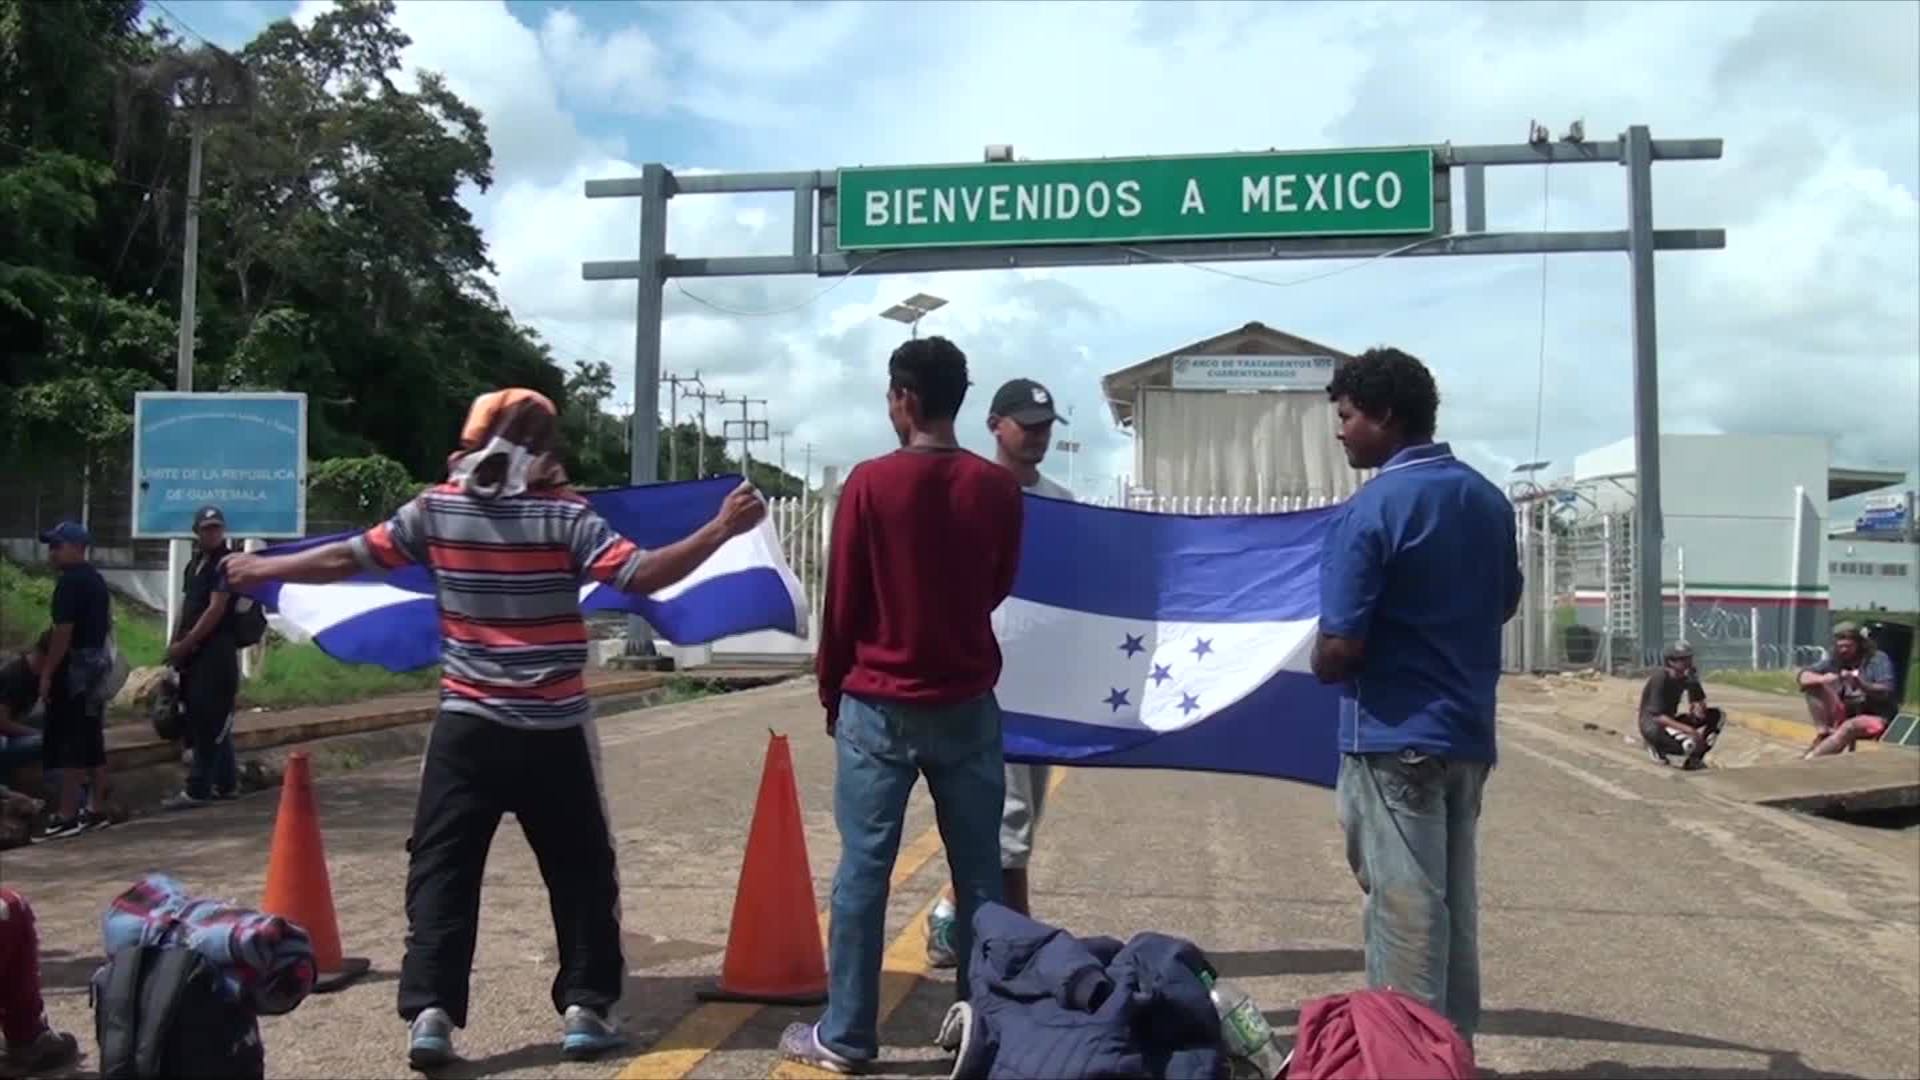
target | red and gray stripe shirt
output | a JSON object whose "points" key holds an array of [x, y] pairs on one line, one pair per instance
{"points": [[509, 573]]}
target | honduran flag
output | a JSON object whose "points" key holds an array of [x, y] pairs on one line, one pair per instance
{"points": [[1167, 641], [392, 619]]}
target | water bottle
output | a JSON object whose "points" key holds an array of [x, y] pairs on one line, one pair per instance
{"points": [[1245, 1031]]}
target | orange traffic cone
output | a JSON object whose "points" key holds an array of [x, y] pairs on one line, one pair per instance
{"points": [[773, 950], [297, 885]]}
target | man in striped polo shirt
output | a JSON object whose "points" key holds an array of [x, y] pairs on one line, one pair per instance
{"points": [[509, 544]]}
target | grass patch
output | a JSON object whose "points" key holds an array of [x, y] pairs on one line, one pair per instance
{"points": [[291, 676], [1772, 682], [295, 675], [683, 688], [26, 598]]}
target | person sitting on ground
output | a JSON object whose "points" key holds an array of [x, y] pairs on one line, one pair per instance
{"points": [[19, 701], [1849, 693], [32, 1045], [1663, 728]]}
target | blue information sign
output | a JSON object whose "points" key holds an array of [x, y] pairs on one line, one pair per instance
{"points": [[243, 452]]}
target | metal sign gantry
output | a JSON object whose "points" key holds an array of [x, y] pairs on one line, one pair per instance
{"points": [[816, 250]]}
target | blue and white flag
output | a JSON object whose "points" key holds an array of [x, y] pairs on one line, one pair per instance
{"points": [[393, 620], [1167, 641]]}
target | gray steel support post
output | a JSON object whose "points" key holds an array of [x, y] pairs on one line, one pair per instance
{"points": [[1649, 527], [647, 316]]}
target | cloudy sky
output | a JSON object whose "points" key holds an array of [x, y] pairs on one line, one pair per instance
{"points": [[1809, 321]]}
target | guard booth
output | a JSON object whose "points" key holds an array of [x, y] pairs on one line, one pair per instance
{"points": [[1240, 416]]}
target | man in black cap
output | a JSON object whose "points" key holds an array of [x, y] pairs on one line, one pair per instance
{"points": [[76, 666], [207, 657], [1663, 728], [1021, 420]]}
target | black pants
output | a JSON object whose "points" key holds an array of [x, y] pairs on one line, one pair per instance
{"points": [[209, 687], [476, 770], [1661, 737], [75, 736]]}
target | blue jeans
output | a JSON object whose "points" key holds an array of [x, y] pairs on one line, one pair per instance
{"points": [[1411, 821], [17, 752], [882, 748], [214, 769]]}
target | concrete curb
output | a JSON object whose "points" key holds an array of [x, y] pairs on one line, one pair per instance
{"points": [[375, 715], [1791, 731]]}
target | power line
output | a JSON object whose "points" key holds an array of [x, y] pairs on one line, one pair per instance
{"points": [[182, 24]]}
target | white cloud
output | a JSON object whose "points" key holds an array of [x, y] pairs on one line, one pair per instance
{"points": [[1809, 320], [621, 72]]}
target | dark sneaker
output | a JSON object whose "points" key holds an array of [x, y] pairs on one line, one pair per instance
{"points": [[587, 1034], [801, 1043], [50, 1050], [183, 800], [90, 821], [57, 828], [430, 1040], [225, 796], [1693, 764], [1658, 757]]}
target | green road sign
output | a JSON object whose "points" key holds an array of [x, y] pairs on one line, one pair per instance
{"points": [[1133, 200]]}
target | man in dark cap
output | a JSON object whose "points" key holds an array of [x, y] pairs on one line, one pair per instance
{"points": [[1020, 419], [1849, 692], [207, 657], [1666, 732], [77, 662]]}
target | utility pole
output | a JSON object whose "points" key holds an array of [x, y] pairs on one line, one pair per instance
{"points": [[190, 257], [700, 448], [200, 84], [673, 417], [748, 429], [782, 436]]}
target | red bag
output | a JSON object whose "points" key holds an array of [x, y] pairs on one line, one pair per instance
{"points": [[1377, 1035]]}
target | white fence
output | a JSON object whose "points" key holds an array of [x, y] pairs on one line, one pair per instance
{"points": [[1217, 504]]}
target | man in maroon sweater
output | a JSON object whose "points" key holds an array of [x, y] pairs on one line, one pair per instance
{"points": [[925, 545]]}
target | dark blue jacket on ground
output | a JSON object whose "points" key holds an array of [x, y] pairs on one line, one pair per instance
{"points": [[1047, 1004]]}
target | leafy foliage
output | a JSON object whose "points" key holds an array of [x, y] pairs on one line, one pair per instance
{"points": [[357, 491], [335, 254]]}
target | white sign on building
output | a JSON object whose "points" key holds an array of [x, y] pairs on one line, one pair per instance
{"points": [[1245, 372]]}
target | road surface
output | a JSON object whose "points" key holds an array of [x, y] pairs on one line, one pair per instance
{"points": [[1633, 926]]}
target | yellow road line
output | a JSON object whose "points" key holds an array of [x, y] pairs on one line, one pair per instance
{"points": [[1784, 730], [702, 1031], [902, 967]]}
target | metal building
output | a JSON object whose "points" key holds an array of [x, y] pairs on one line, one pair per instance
{"points": [[1744, 567], [1239, 416]]}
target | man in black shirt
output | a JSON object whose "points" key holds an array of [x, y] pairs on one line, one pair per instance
{"points": [[208, 659], [72, 676], [1663, 728]]}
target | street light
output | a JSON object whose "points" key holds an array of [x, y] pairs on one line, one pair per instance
{"points": [[914, 308]]}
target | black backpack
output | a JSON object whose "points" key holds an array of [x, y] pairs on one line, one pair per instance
{"points": [[247, 620], [160, 1011]]}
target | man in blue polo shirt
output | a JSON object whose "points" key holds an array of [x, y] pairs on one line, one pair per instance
{"points": [[1419, 574]]}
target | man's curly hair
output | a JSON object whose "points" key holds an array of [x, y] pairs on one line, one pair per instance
{"points": [[1384, 383]]}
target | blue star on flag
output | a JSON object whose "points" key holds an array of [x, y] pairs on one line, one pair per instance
{"points": [[1117, 699], [1202, 647], [1160, 674], [1133, 645], [1188, 704]]}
